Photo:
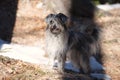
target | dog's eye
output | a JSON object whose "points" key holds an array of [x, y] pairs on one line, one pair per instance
{"points": [[51, 22]]}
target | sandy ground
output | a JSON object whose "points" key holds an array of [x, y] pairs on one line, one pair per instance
{"points": [[36, 55]]}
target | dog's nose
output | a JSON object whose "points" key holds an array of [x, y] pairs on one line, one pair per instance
{"points": [[54, 27]]}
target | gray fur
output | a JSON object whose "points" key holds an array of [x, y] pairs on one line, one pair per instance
{"points": [[62, 42]]}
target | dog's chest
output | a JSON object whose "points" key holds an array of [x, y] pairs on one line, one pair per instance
{"points": [[55, 43]]}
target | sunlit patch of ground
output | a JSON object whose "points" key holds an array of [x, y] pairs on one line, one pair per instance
{"points": [[111, 42]]}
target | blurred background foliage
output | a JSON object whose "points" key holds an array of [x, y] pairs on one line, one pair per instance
{"points": [[106, 1]]}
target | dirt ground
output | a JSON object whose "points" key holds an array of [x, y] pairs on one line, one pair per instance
{"points": [[29, 30], [111, 43]]}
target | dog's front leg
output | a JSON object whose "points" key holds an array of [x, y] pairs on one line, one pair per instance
{"points": [[61, 62]]}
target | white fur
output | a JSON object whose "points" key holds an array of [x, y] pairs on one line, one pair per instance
{"points": [[55, 43]]}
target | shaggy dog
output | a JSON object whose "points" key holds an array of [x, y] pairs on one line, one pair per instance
{"points": [[63, 43]]}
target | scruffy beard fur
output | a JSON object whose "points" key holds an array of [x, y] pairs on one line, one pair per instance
{"points": [[63, 43]]}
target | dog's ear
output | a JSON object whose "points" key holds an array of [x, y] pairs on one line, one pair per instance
{"points": [[47, 19], [62, 17]]}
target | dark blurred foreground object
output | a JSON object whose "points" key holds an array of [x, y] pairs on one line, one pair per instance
{"points": [[8, 10], [74, 8]]}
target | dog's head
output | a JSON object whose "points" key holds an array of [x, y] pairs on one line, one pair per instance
{"points": [[56, 23]]}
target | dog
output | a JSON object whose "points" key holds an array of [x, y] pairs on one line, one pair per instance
{"points": [[63, 43]]}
